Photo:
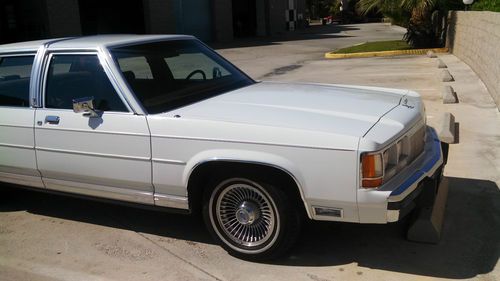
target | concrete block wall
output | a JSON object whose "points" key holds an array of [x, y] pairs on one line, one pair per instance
{"points": [[474, 37]]}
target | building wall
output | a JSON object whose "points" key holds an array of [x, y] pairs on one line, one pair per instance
{"points": [[474, 37], [277, 16], [22, 20], [261, 17], [63, 18], [193, 17], [209, 20], [159, 16], [222, 20]]}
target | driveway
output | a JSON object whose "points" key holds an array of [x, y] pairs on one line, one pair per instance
{"points": [[264, 57], [47, 237]]}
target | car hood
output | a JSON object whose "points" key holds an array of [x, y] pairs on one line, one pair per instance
{"points": [[338, 109]]}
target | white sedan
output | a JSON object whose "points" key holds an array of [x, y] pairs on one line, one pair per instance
{"points": [[165, 122]]}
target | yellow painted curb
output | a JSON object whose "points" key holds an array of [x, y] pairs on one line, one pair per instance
{"points": [[333, 55]]}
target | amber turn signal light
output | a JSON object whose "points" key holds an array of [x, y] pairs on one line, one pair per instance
{"points": [[372, 170]]}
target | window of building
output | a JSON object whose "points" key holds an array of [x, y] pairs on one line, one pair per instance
{"points": [[15, 75], [76, 76]]}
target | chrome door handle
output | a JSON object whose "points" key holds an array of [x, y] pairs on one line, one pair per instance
{"points": [[52, 119]]}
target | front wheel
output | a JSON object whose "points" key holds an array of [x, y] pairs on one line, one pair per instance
{"points": [[251, 219]]}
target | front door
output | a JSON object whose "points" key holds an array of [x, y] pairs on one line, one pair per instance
{"points": [[105, 156]]}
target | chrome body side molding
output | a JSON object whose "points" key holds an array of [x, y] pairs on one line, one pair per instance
{"points": [[19, 179], [171, 201]]}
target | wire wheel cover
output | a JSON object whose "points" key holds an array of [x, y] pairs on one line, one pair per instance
{"points": [[245, 214]]}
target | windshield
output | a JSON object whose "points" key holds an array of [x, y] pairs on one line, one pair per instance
{"points": [[170, 74]]}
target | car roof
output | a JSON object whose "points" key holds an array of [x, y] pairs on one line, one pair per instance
{"points": [[87, 42], [24, 46]]}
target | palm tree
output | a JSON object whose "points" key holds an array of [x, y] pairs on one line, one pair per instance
{"points": [[425, 22]]}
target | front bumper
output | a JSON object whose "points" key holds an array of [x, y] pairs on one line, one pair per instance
{"points": [[421, 187]]}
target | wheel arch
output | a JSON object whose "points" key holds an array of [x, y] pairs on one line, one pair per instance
{"points": [[203, 168]]}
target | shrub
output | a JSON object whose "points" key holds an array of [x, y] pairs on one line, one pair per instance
{"points": [[486, 5]]}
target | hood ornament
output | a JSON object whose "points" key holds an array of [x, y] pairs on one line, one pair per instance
{"points": [[405, 103]]}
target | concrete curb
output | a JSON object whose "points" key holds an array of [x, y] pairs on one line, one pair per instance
{"points": [[333, 55]]}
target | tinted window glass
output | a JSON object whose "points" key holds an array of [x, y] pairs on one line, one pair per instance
{"points": [[170, 74], [77, 76], [15, 75], [184, 64], [135, 67]]}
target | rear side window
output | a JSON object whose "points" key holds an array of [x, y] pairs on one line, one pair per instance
{"points": [[76, 76], [15, 75]]}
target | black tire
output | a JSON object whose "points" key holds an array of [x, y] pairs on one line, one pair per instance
{"points": [[262, 221]]}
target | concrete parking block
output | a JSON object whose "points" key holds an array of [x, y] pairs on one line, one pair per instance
{"points": [[429, 222], [447, 77], [449, 95], [441, 64], [446, 130]]}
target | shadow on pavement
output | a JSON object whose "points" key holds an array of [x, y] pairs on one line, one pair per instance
{"points": [[310, 33], [165, 224], [469, 245]]}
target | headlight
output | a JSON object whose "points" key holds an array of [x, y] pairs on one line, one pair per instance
{"points": [[379, 167]]}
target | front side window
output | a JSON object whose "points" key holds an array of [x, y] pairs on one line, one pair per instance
{"points": [[170, 74], [76, 76], [15, 75]]}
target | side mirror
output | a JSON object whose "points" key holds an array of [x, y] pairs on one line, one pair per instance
{"points": [[85, 105]]}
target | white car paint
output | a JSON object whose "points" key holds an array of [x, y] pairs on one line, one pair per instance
{"points": [[105, 156], [17, 143], [319, 108], [313, 132]]}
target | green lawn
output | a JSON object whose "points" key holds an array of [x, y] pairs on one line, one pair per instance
{"points": [[375, 47]]}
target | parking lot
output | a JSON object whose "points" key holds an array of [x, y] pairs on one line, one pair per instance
{"points": [[48, 237]]}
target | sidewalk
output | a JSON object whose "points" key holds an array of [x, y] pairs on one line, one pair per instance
{"points": [[261, 56]]}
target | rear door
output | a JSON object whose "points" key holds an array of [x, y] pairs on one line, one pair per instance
{"points": [[17, 144], [107, 156]]}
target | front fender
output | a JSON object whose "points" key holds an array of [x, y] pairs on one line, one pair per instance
{"points": [[242, 156], [246, 156]]}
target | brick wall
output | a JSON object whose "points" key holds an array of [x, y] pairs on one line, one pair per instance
{"points": [[474, 37]]}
